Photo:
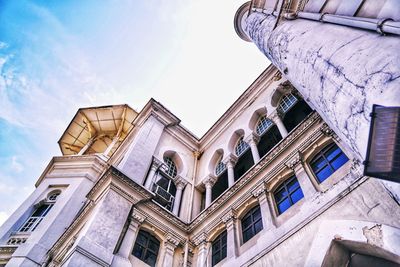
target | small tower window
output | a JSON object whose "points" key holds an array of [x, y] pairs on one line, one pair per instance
{"points": [[53, 196], [171, 169], [33, 221], [287, 194], [146, 248], [327, 161]]}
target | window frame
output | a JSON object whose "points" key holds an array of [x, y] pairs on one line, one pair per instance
{"points": [[241, 147], [220, 167], [253, 221], [286, 102], [263, 125], [33, 222], [149, 237], [321, 154], [170, 167], [284, 185], [223, 247]]}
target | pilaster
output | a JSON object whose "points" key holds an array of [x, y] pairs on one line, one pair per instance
{"points": [[230, 163], [230, 222], [266, 212]]}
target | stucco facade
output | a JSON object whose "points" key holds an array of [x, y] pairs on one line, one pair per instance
{"points": [[138, 189]]}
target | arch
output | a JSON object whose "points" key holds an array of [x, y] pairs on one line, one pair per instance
{"points": [[216, 231], [233, 140], [52, 196], [251, 203], [262, 111], [175, 156], [282, 89], [218, 154]]}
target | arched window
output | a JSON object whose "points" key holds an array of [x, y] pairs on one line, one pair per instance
{"points": [[146, 248], [269, 135], [327, 161], [245, 158], [219, 248], [40, 212], [251, 223], [222, 180], [294, 111], [171, 169], [163, 187], [287, 194]]}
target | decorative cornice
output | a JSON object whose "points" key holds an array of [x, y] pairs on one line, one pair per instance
{"points": [[200, 238], [230, 159], [294, 161], [209, 180], [229, 216], [171, 239], [180, 182], [253, 137], [258, 191]]}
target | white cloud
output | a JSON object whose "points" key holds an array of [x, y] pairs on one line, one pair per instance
{"points": [[15, 165]]}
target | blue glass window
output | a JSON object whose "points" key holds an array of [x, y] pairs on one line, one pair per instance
{"points": [[288, 193], [327, 161]]}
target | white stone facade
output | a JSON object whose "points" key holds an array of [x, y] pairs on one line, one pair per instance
{"points": [[121, 203]]}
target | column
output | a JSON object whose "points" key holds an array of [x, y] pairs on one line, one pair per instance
{"points": [[169, 248], [266, 211], [230, 164], [231, 241], [208, 183], [296, 164], [122, 257], [327, 78], [253, 140], [180, 184], [154, 167], [279, 123], [201, 242]]}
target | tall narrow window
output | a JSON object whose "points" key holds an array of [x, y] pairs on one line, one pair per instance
{"points": [[327, 161], [269, 135], [245, 158], [287, 194], [165, 190], [222, 180], [146, 248], [40, 212], [294, 111], [219, 248], [251, 223], [171, 169]]}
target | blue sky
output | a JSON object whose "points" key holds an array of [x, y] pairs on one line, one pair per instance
{"points": [[58, 56]]}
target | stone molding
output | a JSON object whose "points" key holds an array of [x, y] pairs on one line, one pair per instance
{"points": [[209, 180], [171, 240], [253, 137], [293, 162], [259, 191], [229, 216], [200, 238]]}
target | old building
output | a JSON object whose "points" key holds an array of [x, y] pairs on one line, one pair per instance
{"points": [[276, 181]]}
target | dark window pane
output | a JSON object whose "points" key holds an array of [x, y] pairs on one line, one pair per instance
{"points": [[41, 211], [247, 235], [246, 222], [284, 205], [146, 248], [281, 194], [297, 195], [137, 251], [257, 213], [332, 152], [324, 173], [318, 164], [153, 246], [151, 259], [337, 163], [293, 185], [163, 182], [258, 226]]}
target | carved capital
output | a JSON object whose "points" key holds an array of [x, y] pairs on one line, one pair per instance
{"points": [[137, 217], [294, 161], [259, 191], [276, 116], [180, 182], [277, 76], [230, 161], [210, 180], [252, 138], [156, 163], [200, 238], [171, 240], [229, 216]]}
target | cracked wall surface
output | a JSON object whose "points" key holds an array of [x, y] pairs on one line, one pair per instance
{"points": [[341, 71]]}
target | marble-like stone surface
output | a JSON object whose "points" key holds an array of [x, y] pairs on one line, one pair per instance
{"points": [[342, 71]]}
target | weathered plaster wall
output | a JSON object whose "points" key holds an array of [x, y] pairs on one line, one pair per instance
{"points": [[342, 71], [369, 202]]}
